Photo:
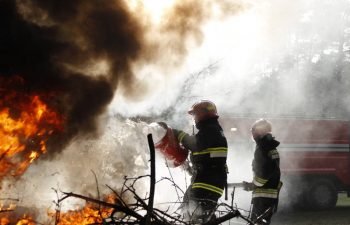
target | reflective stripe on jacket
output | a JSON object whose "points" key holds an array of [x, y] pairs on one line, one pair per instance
{"points": [[266, 168], [208, 187], [267, 192], [213, 152]]}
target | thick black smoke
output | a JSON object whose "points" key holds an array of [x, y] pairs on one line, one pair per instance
{"points": [[46, 42], [56, 46]]}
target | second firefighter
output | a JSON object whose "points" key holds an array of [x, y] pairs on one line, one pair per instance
{"points": [[266, 183]]}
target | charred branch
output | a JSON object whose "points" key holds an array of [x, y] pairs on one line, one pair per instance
{"points": [[153, 178]]}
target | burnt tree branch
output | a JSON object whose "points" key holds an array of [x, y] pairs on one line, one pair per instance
{"points": [[153, 178]]}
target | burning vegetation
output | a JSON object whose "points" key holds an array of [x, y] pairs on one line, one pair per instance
{"points": [[26, 124], [90, 214]]}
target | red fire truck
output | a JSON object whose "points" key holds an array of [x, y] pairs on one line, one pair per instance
{"points": [[314, 153]]}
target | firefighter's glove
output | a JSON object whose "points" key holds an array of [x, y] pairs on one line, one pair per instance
{"points": [[248, 186]]}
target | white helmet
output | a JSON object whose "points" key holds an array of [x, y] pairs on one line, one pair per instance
{"points": [[260, 128]]}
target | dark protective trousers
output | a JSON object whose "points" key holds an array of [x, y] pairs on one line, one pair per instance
{"points": [[266, 206], [200, 201], [199, 205]]}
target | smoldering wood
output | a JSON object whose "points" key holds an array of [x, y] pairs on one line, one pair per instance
{"points": [[8, 199], [6, 210]]}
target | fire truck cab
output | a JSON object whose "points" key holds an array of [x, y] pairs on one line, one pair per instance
{"points": [[314, 154]]}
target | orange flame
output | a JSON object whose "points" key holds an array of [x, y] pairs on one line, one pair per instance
{"points": [[26, 123], [90, 214], [25, 220], [4, 221]]}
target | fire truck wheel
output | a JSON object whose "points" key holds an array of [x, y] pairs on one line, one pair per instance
{"points": [[322, 195], [301, 193]]}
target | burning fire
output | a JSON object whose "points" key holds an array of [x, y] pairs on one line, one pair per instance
{"points": [[26, 124], [90, 214], [26, 220]]}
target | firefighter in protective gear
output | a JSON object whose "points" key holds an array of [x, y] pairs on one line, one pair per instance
{"points": [[208, 152], [266, 181]]}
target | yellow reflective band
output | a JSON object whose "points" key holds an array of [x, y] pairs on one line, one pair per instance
{"points": [[260, 180], [181, 136], [263, 190], [217, 148], [211, 150], [265, 195], [275, 156], [271, 152], [208, 187], [206, 152]]}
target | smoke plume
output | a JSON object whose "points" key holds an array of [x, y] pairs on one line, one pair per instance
{"points": [[86, 50]]}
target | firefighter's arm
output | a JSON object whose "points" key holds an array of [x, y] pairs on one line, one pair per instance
{"points": [[261, 177], [188, 141], [274, 159]]}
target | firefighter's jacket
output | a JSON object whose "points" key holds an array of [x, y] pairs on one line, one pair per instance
{"points": [[266, 168], [208, 153]]}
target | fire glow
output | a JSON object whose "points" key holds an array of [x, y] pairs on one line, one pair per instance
{"points": [[26, 124], [24, 221], [89, 214]]}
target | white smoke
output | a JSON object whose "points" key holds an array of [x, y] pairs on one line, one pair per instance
{"points": [[265, 59], [269, 37], [121, 150]]}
